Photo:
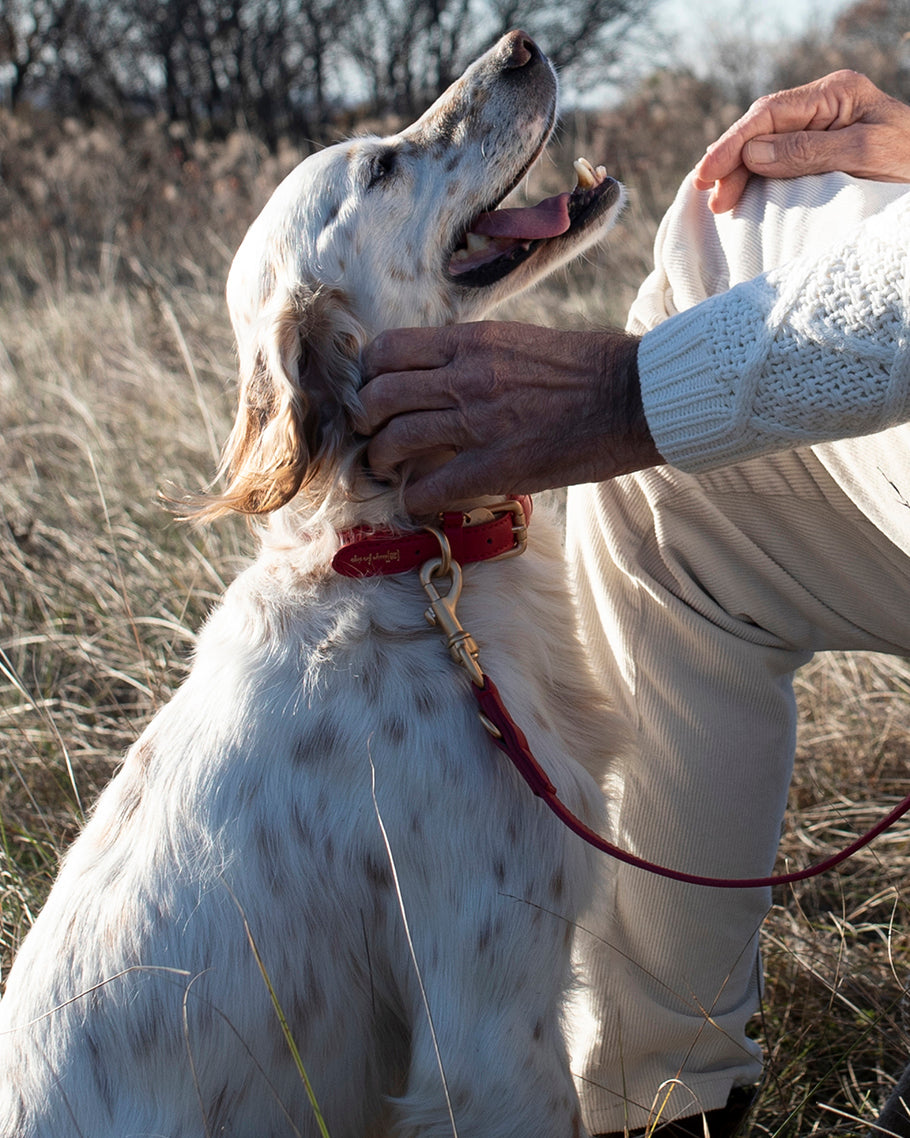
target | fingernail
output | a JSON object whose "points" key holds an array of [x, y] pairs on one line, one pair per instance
{"points": [[758, 153]]}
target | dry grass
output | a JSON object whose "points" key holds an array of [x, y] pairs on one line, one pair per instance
{"points": [[116, 377], [836, 947]]}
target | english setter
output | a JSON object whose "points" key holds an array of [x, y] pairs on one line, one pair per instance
{"points": [[317, 897]]}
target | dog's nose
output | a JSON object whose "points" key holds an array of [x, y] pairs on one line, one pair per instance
{"points": [[518, 49]]}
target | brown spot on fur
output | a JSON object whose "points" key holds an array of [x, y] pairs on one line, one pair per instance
{"points": [[425, 701], [310, 1002], [377, 873], [483, 939], [143, 754], [144, 1036], [301, 829], [372, 680], [218, 1112], [395, 730], [98, 1068], [128, 802], [321, 738], [268, 846]]}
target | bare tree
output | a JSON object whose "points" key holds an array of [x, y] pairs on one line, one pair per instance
{"points": [[874, 34], [576, 34], [409, 50], [281, 66], [289, 65], [31, 35]]}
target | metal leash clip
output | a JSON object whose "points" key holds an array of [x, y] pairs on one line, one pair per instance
{"points": [[441, 613]]}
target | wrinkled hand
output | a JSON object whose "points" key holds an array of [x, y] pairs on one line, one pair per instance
{"points": [[841, 122], [501, 408]]}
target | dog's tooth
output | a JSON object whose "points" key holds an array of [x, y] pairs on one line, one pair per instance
{"points": [[601, 173], [476, 242], [584, 171]]}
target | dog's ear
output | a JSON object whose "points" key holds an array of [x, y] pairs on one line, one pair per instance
{"points": [[299, 374]]}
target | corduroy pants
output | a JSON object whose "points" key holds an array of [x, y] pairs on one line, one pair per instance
{"points": [[699, 598]]}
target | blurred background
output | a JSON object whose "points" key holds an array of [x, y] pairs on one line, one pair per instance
{"points": [[138, 139]]}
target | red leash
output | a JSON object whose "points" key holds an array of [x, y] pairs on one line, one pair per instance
{"points": [[504, 534], [515, 745]]}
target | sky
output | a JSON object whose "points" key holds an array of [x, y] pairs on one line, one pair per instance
{"points": [[694, 20], [689, 29], [787, 14]]}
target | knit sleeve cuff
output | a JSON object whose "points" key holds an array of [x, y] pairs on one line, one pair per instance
{"points": [[696, 371]]}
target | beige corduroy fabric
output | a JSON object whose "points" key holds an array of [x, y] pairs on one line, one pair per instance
{"points": [[704, 585]]}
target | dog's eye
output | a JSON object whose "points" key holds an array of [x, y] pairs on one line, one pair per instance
{"points": [[382, 166]]}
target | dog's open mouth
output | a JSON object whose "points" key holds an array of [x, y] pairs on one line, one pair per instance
{"points": [[499, 240]]}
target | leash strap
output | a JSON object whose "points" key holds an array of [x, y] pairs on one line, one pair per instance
{"points": [[513, 743]]}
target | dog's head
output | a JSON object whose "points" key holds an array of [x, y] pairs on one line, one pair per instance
{"points": [[377, 233]]}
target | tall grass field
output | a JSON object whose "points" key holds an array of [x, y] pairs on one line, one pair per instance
{"points": [[117, 381]]}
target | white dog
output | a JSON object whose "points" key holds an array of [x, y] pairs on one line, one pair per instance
{"points": [[319, 809]]}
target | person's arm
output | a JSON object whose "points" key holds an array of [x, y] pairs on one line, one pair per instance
{"points": [[814, 351], [841, 122]]}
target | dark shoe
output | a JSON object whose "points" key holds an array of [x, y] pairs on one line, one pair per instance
{"points": [[721, 1123], [895, 1118]]}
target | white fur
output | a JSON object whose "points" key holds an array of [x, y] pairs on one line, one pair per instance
{"points": [[136, 1008]]}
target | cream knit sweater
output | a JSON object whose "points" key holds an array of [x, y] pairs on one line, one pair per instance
{"points": [[814, 351]]}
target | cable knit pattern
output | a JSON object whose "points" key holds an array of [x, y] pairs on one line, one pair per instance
{"points": [[812, 352]]}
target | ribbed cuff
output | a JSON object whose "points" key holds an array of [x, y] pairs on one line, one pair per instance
{"points": [[699, 371]]}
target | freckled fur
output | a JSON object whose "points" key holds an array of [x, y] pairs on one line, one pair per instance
{"points": [[136, 1006]]}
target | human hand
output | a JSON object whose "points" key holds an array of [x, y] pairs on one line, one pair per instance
{"points": [[501, 408], [841, 122]]}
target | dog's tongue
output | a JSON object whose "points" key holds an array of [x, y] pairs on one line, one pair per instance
{"points": [[548, 218]]}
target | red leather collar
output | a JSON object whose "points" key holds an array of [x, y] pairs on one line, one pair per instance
{"points": [[369, 553]]}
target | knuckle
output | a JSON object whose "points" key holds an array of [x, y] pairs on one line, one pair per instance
{"points": [[846, 76], [414, 433], [372, 356], [764, 101], [373, 400], [380, 344], [799, 148]]}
